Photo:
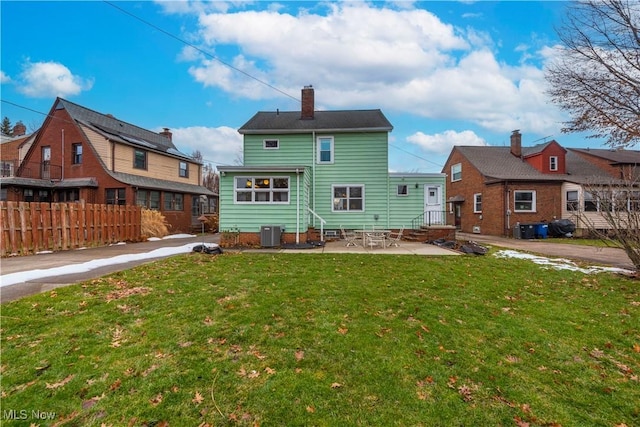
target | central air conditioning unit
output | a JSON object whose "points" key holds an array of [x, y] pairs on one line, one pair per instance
{"points": [[270, 236]]}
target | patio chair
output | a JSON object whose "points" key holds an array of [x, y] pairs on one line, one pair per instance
{"points": [[349, 237], [395, 237], [377, 238]]}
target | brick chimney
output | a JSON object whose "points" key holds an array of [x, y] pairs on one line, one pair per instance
{"points": [[19, 129], [308, 103], [516, 143], [166, 133]]}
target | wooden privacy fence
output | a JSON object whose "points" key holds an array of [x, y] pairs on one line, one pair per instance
{"points": [[28, 228]]}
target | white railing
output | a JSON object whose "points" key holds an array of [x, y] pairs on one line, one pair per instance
{"points": [[322, 223]]}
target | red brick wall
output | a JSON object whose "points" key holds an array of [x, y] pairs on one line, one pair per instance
{"points": [[493, 219]]}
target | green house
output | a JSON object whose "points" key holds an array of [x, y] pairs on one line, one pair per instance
{"points": [[307, 174]]}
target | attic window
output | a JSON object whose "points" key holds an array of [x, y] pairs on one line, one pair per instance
{"points": [[271, 144], [456, 172], [553, 163]]}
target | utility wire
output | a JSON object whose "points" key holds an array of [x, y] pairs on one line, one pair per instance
{"points": [[204, 52]]}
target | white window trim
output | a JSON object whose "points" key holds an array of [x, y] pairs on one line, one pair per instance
{"points": [[270, 190], [459, 166], [553, 163], [333, 209], [318, 150], [533, 201], [475, 203], [398, 193], [264, 144]]}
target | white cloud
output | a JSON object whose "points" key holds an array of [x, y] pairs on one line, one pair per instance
{"points": [[363, 55], [442, 143], [219, 146], [48, 79], [4, 78]]}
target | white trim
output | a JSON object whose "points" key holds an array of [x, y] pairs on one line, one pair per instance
{"points": [[348, 186], [319, 151], [263, 190], [475, 203], [553, 163], [459, 172], [264, 144], [405, 194], [533, 200]]}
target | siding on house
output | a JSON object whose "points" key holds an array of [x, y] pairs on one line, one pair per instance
{"points": [[405, 210]]}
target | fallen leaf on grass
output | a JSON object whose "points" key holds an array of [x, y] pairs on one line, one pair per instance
{"points": [[299, 355], [115, 385], [155, 401], [311, 409], [208, 321], [198, 399], [269, 370], [512, 359], [336, 385], [343, 331], [61, 383], [636, 347]]}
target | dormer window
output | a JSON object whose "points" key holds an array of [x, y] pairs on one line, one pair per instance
{"points": [[553, 163]]}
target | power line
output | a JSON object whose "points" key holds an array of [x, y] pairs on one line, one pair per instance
{"points": [[204, 52], [415, 155]]}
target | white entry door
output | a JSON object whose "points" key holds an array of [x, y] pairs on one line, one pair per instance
{"points": [[433, 210]]}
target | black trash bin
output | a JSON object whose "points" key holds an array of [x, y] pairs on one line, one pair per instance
{"points": [[527, 231]]}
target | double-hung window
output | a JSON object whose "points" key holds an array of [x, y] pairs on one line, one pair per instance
{"points": [[325, 149], [456, 172], [139, 159], [348, 198], [149, 199], [553, 163], [477, 203], [76, 150], [263, 189], [183, 170], [590, 202], [524, 201], [572, 201]]}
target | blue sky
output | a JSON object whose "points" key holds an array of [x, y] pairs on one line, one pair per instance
{"points": [[444, 73]]}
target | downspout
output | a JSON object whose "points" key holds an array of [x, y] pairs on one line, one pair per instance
{"points": [[507, 210], [297, 206], [313, 180], [62, 161], [113, 156]]}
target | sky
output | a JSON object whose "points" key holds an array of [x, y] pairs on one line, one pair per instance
{"points": [[443, 73]]}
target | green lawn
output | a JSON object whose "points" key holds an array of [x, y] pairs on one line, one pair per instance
{"points": [[327, 340]]}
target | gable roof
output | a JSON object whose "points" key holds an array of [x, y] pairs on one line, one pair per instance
{"points": [[327, 121], [498, 164], [120, 131], [538, 149], [614, 156]]}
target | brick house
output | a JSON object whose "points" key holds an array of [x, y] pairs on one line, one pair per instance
{"points": [[491, 189], [81, 155]]}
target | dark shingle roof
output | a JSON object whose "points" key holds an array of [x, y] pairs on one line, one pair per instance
{"points": [[498, 164], [120, 131], [329, 121], [614, 156], [145, 182]]}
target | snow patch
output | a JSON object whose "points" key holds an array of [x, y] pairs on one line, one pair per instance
{"points": [[559, 263]]}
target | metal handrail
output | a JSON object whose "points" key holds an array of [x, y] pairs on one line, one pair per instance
{"points": [[429, 218], [322, 223]]}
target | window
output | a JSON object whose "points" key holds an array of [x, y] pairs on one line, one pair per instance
{"points": [[477, 203], [6, 169], [572, 201], [149, 199], [325, 149], [68, 195], [271, 144], [524, 201], [3, 194], [173, 201], [403, 190], [184, 170], [28, 195], [553, 163], [262, 189], [116, 196], [139, 159], [456, 172], [348, 198], [76, 152], [590, 202]]}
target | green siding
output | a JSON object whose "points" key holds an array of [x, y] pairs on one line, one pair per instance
{"points": [[360, 158]]}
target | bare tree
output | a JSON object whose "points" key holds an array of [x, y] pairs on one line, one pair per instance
{"points": [[612, 212], [596, 74], [210, 178]]}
